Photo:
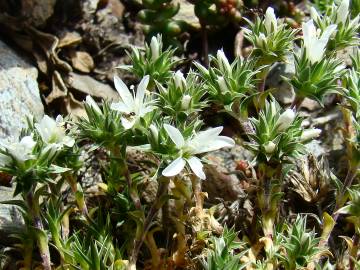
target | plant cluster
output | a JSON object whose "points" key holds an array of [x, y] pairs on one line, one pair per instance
{"points": [[162, 119]]}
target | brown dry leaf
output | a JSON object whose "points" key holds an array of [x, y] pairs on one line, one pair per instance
{"points": [[90, 86], [74, 107], [82, 61], [49, 43], [59, 89], [69, 39]]}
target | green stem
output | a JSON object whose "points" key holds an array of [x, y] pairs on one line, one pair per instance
{"points": [[78, 192], [354, 251], [296, 103], [155, 207], [42, 239]]}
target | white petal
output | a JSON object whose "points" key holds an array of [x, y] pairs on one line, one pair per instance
{"points": [[4, 160], [28, 143], [197, 167], [121, 107], [127, 124], [91, 102], [216, 144], [204, 137], [124, 92], [68, 141], [328, 32], [141, 91], [175, 135], [174, 167], [314, 14], [270, 20]]}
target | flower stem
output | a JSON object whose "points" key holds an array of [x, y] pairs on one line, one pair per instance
{"points": [[42, 239], [155, 207]]}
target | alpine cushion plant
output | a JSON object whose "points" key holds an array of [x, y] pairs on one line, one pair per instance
{"points": [[315, 75], [347, 27], [272, 39], [153, 61]]}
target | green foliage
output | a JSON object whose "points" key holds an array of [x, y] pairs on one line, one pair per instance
{"points": [[300, 245], [316, 80], [223, 253]]}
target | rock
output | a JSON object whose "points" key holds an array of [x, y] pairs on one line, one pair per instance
{"points": [[38, 11], [19, 92], [187, 14], [90, 86], [283, 92], [10, 217]]}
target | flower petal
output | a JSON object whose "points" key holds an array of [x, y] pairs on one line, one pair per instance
{"points": [[121, 107], [175, 135], [124, 92], [215, 144], [140, 93], [174, 167], [197, 167], [127, 124]]}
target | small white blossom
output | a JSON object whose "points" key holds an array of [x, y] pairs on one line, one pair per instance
{"points": [[154, 132], [286, 119], [224, 64], [91, 102], [155, 48], [310, 134], [202, 142], [132, 106], [262, 40], [179, 80], [342, 12], [270, 20], [270, 147], [19, 151], [52, 132], [185, 102], [315, 45]]}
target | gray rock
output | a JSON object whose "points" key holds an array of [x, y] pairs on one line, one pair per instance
{"points": [[11, 220], [19, 92]]}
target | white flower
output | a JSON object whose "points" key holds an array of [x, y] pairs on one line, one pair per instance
{"points": [[342, 12], [310, 134], [202, 142], [155, 48], [154, 132], [185, 102], [52, 132], [314, 45], [223, 61], [179, 80], [91, 102], [286, 119], [19, 151], [270, 20], [132, 106], [269, 147]]}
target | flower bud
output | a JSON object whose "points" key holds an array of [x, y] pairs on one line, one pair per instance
{"points": [[185, 102], [310, 134], [154, 47], [223, 61], [286, 119], [154, 132], [270, 20], [222, 84], [314, 14], [262, 40], [342, 12], [91, 102], [269, 147], [179, 80]]}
